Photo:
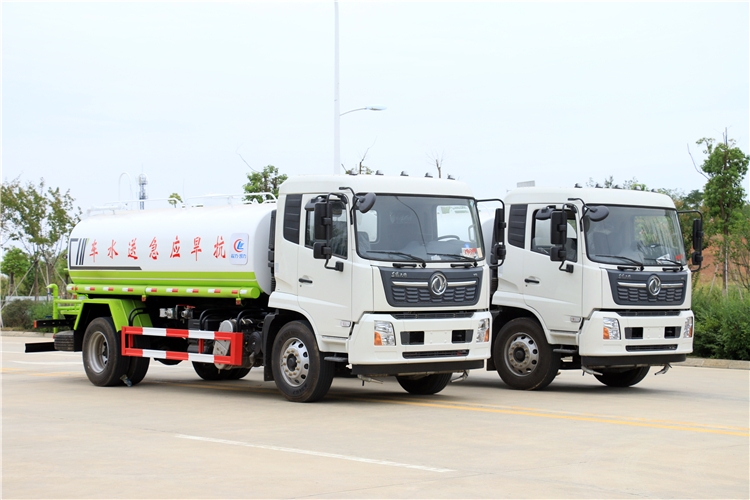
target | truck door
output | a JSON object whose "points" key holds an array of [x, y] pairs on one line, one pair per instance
{"points": [[555, 294], [324, 293]]}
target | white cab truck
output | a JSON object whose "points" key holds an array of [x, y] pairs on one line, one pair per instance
{"points": [[595, 279], [363, 276]]}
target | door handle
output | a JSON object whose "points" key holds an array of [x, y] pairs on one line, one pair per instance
{"points": [[532, 280], [305, 280]]}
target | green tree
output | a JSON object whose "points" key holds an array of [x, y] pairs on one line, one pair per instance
{"points": [[266, 181], [15, 266], [724, 168], [609, 183], [174, 199], [39, 219], [739, 248]]}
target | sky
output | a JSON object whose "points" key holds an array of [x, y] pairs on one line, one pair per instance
{"points": [[500, 93]]}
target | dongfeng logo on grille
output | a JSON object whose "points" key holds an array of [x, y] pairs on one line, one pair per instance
{"points": [[654, 285], [438, 284]]}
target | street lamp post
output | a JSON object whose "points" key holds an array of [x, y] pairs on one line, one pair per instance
{"points": [[337, 138], [337, 114]]}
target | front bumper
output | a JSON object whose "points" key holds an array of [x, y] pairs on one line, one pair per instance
{"points": [[439, 352], [644, 340]]}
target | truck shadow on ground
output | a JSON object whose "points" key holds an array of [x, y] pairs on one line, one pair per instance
{"points": [[343, 391]]}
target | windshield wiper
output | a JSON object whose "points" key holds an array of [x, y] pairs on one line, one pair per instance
{"points": [[459, 257], [407, 255], [665, 260], [632, 261]]}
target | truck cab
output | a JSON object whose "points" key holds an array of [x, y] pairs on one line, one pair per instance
{"points": [[595, 279], [388, 273]]}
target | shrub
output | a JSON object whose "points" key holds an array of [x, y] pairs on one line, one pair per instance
{"points": [[722, 325], [20, 314]]}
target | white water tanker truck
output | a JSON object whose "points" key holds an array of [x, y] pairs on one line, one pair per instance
{"points": [[597, 280], [366, 276]]}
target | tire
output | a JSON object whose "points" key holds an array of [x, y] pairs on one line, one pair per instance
{"points": [[623, 379], [208, 371], [102, 356], [137, 369], [431, 384], [522, 356], [236, 373], [298, 367]]}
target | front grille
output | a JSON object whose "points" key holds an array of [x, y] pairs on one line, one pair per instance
{"points": [[434, 315], [645, 348], [634, 313], [639, 295], [416, 295], [436, 354], [411, 288], [631, 288]]}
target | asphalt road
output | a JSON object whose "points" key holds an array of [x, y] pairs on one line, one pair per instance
{"points": [[681, 435]]}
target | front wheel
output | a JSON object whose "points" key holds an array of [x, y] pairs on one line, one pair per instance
{"points": [[623, 379], [103, 361], [299, 370], [523, 358], [429, 384]]}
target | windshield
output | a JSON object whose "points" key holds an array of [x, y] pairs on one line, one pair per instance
{"points": [[636, 236], [420, 229]]}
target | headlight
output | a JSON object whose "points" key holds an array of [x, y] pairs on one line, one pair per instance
{"points": [[688, 331], [384, 333], [483, 331], [611, 329]]}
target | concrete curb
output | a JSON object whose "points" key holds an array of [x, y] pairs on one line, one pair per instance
{"points": [[12, 333], [716, 363], [696, 362]]}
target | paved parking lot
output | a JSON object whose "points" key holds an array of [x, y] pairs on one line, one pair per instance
{"points": [[682, 435]]}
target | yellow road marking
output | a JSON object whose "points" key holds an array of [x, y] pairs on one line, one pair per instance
{"points": [[474, 407], [690, 427], [529, 412]]}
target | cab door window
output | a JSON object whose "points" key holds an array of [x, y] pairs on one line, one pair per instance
{"points": [[339, 241], [540, 233]]}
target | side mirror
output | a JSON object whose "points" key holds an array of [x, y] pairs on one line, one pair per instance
{"points": [[498, 234], [697, 258], [544, 213], [497, 253], [321, 250], [322, 220], [558, 235], [558, 227], [597, 213], [366, 202]]}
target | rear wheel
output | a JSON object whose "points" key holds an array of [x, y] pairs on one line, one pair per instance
{"points": [[102, 358], [429, 384], [299, 370], [208, 371], [236, 373], [522, 356], [137, 369], [623, 378]]}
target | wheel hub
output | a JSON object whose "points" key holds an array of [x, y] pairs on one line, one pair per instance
{"points": [[522, 354], [291, 363], [295, 362], [99, 353]]}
